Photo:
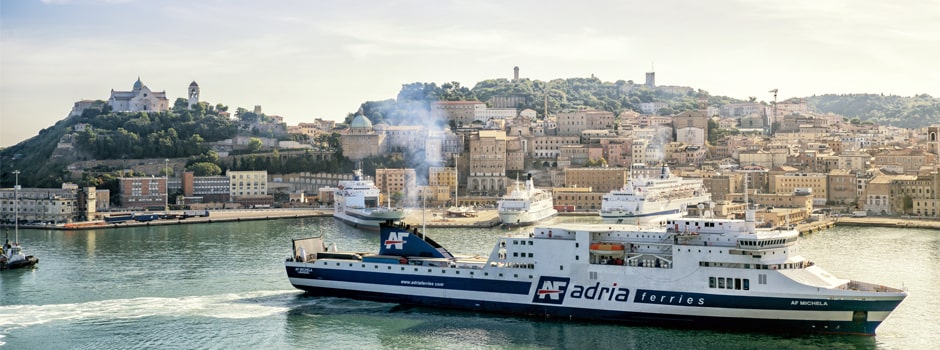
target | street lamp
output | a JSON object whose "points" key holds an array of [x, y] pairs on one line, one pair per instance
{"points": [[16, 208], [166, 185]]}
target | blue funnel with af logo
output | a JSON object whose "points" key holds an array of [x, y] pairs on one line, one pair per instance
{"points": [[404, 240]]}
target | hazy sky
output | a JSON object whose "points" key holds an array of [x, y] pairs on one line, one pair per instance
{"points": [[321, 59]]}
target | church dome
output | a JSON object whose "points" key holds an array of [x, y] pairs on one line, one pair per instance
{"points": [[138, 85], [193, 84], [360, 122]]}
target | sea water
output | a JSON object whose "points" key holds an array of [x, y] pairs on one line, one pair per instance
{"points": [[223, 286]]}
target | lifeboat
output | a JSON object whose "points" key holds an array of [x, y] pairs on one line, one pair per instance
{"points": [[607, 249]]}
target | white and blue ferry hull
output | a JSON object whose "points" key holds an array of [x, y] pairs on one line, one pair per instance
{"points": [[606, 302]]}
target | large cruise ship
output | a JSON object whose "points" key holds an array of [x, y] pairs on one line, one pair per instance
{"points": [[661, 196], [525, 205], [691, 273], [357, 202]]}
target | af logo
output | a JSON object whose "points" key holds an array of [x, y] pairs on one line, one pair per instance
{"points": [[396, 239], [551, 290]]}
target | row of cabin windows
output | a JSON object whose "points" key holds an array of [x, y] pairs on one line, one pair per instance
{"points": [[787, 266], [523, 266], [517, 254], [767, 242], [729, 283], [516, 242]]}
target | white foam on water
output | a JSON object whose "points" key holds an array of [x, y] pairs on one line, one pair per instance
{"points": [[230, 306]]}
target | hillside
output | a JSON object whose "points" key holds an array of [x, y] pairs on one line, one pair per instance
{"points": [[906, 112], [181, 132]]}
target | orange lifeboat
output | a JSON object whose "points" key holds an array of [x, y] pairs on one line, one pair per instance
{"points": [[607, 249]]}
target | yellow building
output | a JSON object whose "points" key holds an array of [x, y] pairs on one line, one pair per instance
{"points": [[487, 163], [247, 183], [580, 198], [601, 180], [790, 182], [392, 181]]}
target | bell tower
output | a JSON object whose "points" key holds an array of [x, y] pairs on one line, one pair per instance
{"points": [[193, 94]]}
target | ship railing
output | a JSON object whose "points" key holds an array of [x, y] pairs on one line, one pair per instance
{"points": [[868, 287], [306, 249]]}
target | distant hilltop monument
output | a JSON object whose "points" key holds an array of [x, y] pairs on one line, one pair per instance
{"points": [[139, 99]]}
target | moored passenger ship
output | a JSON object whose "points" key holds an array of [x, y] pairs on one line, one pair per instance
{"points": [[651, 198], [357, 203], [526, 205], [694, 272]]}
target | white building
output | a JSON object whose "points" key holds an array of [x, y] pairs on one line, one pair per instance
{"points": [[139, 99]]}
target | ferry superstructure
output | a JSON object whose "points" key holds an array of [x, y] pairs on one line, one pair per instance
{"points": [[665, 195], [691, 273], [525, 205], [357, 202]]}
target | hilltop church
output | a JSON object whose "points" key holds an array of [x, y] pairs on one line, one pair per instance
{"points": [[139, 99]]}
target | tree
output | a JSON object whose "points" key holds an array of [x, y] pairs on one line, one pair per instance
{"points": [[205, 169], [255, 144]]}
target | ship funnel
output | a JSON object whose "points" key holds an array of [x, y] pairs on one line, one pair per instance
{"points": [[398, 240]]}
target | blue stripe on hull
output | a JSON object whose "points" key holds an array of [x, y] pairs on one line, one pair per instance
{"points": [[601, 315], [392, 279]]}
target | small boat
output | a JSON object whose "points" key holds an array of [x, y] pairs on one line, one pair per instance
{"points": [[12, 257]]}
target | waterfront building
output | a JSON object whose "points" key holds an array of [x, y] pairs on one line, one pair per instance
{"points": [[205, 189], [143, 192], [247, 183], [40, 205]]}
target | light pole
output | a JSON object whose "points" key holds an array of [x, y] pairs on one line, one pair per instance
{"points": [[456, 181], [166, 185], [16, 208]]}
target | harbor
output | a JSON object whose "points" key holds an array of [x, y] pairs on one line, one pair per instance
{"points": [[226, 287], [438, 218]]}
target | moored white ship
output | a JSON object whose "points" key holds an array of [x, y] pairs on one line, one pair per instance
{"points": [[692, 273], [657, 197], [357, 202], [526, 205]]}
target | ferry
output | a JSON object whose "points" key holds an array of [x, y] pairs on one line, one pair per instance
{"points": [[692, 272], [525, 205], [356, 202], [662, 196]]}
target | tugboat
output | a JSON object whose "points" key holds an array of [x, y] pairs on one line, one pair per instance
{"points": [[12, 257]]}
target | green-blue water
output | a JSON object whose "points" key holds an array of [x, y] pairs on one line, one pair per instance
{"points": [[223, 286]]}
